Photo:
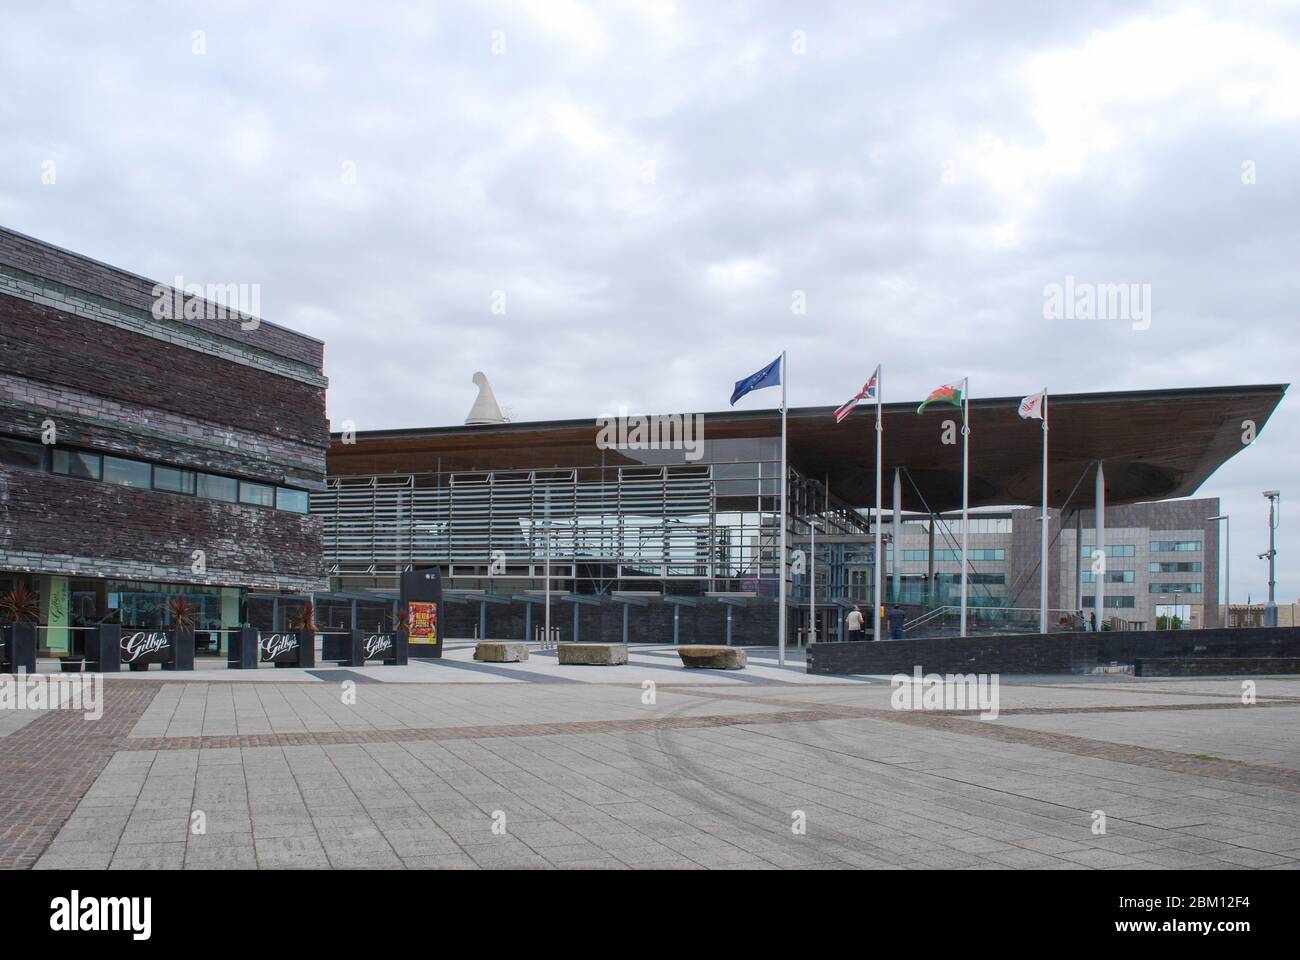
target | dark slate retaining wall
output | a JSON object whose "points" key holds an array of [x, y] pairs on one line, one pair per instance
{"points": [[754, 623], [1049, 653], [1216, 666]]}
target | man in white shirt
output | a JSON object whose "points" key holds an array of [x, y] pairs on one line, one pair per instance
{"points": [[854, 622]]}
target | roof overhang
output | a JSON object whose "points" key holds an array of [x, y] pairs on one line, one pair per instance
{"points": [[1155, 444]]}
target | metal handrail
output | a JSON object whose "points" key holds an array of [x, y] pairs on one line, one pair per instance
{"points": [[953, 610]]}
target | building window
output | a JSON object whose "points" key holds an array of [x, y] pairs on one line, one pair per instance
{"points": [[218, 488], [173, 480], [975, 553], [1112, 576], [1174, 588], [1175, 546], [1112, 550], [258, 494], [295, 501], [74, 463], [1180, 566], [126, 473], [1120, 603], [21, 454]]}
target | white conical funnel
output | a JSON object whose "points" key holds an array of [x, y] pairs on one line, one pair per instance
{"points": [[485, 409]]}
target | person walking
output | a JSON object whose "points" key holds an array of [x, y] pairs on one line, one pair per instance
{"points": [[896, 619], [1092, 622], [854, 622]]}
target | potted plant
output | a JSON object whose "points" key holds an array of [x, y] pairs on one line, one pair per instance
{"points": [[19, 606], [184, 616], [305, 627]]}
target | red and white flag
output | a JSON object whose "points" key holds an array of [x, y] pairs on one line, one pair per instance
{"points": [[868, 392], [1031, 408]]}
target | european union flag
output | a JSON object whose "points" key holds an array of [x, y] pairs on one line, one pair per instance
{"points": [[769, 376]]}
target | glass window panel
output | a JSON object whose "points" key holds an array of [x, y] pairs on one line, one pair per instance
{"points": [[256, 493], [74, 463], [294, 501], [126, 473], [173, 480], [22, 454], [218, 488]]}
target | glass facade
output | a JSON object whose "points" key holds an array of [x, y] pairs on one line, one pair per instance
{"points": [[673, 526]]}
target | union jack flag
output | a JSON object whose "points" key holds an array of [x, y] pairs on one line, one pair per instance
{"points": [[868, 392]]}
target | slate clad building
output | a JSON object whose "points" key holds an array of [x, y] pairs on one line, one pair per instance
{"points": [[147, 453]]}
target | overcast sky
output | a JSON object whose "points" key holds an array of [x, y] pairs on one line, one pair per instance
{"points": [[647, 190]]}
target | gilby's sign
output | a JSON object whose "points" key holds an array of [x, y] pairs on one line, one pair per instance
{"points": [[278, 648], [145, 647]]}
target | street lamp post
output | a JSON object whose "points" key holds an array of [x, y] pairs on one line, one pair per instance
{"points": [[1227, 563]]}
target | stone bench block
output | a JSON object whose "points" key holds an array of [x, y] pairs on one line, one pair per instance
{"points": [[713, 658], [607, 654], [500, 651]]}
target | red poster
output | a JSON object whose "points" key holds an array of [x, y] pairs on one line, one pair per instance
{"points": [[422, 622]]}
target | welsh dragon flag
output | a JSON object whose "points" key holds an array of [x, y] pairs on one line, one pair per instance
{"points": [[946, 394]]}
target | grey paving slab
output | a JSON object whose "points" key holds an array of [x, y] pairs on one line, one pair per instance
{"points": [[586, 776]]}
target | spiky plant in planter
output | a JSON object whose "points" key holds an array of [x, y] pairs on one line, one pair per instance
{"points": [[22, 611], [19, 605], [183, 614], [306, 619], [305, 626]]}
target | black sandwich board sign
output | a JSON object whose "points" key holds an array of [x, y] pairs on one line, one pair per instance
{"points": [[250, 647], [287, 648], [173, 649], [354, 649], [419, 604]]}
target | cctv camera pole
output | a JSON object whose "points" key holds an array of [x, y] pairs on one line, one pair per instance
{"points": [[1270, 609]]}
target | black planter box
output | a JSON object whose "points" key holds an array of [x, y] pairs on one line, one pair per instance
{"points": [[20, 648], [104, 649], [243, 649], [182, 649]]}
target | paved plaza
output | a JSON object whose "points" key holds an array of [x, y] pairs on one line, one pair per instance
{"points": [[457, 764]]}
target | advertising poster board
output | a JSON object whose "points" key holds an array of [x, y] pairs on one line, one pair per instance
{"points": [[419, 608]]}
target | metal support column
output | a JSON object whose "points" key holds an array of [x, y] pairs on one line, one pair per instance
{"points": [[897, 538], [1099, 595], [931, 586], [1078, 560]]}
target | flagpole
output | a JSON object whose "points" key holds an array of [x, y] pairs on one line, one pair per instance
{"points": [[780, 635], [875, 599], [1042, 557], [965, 492]]}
